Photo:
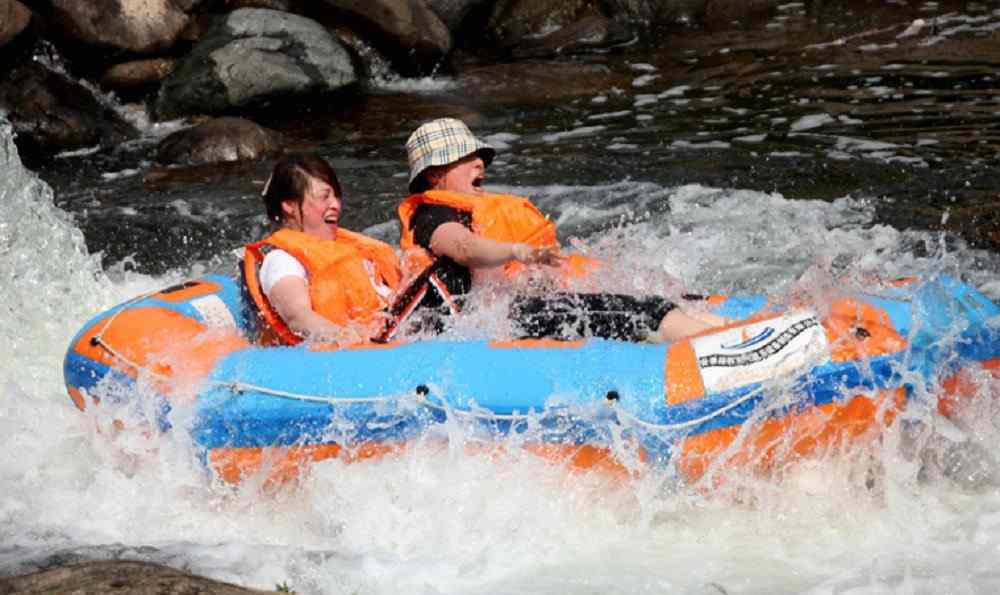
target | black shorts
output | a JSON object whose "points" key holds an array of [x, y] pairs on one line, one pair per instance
{"points": [[569, 316]]}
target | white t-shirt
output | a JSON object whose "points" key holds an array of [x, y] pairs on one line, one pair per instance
{"points": [[279, 264]]}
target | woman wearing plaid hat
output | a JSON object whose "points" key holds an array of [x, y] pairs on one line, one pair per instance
{"points": [[312, 279], [451, 227]]}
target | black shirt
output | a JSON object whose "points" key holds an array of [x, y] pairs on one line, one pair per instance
{"points": [[426, 219]]}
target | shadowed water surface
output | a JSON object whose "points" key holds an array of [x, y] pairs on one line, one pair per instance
{"points": [[893, 102]]}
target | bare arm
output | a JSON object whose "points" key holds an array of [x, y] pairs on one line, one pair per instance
{"points": [[456, 242], [290, 297]]}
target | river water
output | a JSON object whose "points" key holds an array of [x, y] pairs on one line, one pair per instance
{"points": [[785, 157]]}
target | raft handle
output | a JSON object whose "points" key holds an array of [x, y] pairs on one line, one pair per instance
{"points": [[861, 332]]}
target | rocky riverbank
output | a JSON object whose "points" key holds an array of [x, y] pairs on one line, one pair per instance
{"points": [[183, 58]]}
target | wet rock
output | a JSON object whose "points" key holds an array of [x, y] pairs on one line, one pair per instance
{"points": [[284, 5], [140, 26], [250, 57], [589, 33], [51, 113], [14, 19], [453, 12], [513, 21], [219, 140], [658, 12], [137, 74], [137, 578], [409, 33]]}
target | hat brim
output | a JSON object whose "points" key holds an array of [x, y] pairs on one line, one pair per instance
{"points": [[445, 157]]}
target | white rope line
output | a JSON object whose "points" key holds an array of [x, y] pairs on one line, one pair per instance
{"points": [[240, 387], [691, 422]]}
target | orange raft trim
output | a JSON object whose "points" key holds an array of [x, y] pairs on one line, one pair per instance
{"points": [[277, 466], [177, 347], [776, 441]]}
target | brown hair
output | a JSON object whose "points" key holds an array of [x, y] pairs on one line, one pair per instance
{"points": [[290, 180]]}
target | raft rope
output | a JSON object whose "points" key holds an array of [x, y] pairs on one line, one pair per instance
{"points": [[98, 339], [419, 396]]}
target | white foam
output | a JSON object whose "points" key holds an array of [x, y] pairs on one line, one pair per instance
{"points": [[752, 138], [812, 121], [501, 140], [610, 115], [440, 520], [580, 132], [715, 144], [644, 80]]}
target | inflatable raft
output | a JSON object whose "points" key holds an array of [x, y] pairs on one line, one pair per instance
{"points": [[781, 383]]}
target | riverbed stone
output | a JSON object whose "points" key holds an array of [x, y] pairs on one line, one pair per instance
{"points": [[140, 26], [14, 19], [513, 21], [407, 32], [52, 113], [589, 33], [453, 12], [657, 12], [117, 576], [219, 140], [250, 57], [137, 73]]}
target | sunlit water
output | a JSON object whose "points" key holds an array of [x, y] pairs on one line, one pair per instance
{"points": [[917, 512], [885, 518]]}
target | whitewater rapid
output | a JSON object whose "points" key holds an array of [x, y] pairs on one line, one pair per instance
{"points": [[442, 521]]}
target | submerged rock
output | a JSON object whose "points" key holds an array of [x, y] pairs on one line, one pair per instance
{"points": [[252, 56], [513, 21], [219, 140], [137, 578], [589, 33]]}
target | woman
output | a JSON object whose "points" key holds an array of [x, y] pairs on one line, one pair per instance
{"points": [[451, 227], [311, 279]]}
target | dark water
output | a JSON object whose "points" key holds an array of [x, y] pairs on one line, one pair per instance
{"points": [[818, 102]]}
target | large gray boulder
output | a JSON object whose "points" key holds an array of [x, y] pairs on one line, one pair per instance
{"points": [[14, 19], [140, 26], [251, 56], [52, 113], [219, 140], [407, 32]]}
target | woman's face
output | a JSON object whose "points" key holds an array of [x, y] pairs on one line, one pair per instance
{"points": [[465, 175], [319, 212]]}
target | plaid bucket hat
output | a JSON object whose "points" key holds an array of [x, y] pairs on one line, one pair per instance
{"points": [[440, 142]]}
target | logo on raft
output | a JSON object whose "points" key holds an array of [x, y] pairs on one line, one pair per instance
{"points": [[760, 351]]}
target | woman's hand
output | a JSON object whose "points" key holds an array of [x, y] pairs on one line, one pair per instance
{"points": [[544, 255]]}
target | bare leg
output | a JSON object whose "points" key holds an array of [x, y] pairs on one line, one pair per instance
{"points": [[678, 324]]}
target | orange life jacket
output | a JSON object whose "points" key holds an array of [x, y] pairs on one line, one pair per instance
{"points": [[500, 217], [342, 278]]}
